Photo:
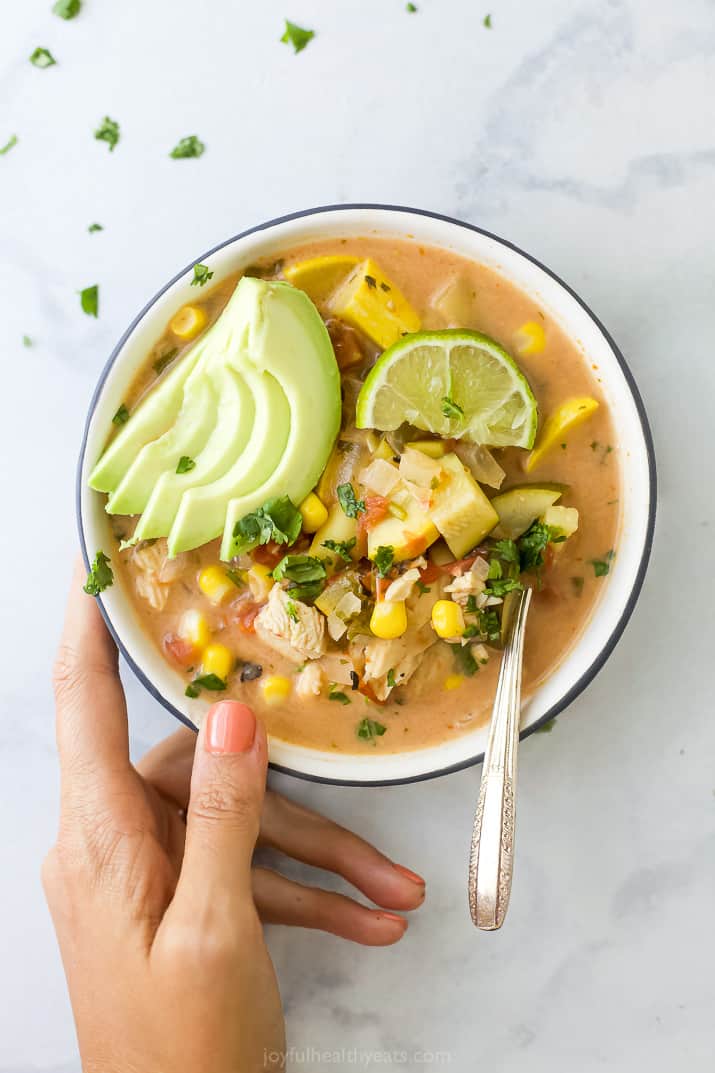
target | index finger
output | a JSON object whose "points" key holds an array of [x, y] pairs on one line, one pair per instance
{"points": [[92, 733]]}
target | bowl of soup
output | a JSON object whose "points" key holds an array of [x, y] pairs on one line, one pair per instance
{"points": [[323, 461]]}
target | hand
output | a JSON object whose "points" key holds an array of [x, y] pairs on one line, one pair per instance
{"points": [[163, 949]]}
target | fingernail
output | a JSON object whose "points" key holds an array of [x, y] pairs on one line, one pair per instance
{"points": [[391, 916], [230, 728], [408, 874]]}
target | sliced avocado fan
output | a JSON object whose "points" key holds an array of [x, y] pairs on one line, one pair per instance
{"points": [[255, 405]]}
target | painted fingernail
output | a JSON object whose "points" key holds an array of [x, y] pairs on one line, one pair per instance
{"points": [[409, 874], [391, 916], [230, 728]]}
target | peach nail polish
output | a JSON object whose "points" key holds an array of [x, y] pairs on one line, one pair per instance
{"points": [[230, 728], [408, 874]]}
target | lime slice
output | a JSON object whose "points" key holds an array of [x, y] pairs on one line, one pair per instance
{"points": [[452, 383]]}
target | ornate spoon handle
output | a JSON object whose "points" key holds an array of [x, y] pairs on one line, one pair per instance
{"points": [[492, 849]]}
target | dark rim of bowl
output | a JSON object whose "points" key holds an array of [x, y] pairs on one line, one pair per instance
{"points": [[587, 677]]}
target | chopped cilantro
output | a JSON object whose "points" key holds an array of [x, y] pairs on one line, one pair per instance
{"points": [[297, 36], [369, 729], [412, 8], [422, 588], [9, 144], [67, 9], [391, 678], [89, 300], [95, 227], [339, 696], [547, 727], [577, 584], [185, 464], [211, 682], [501, 586], [450, 408], [188, 147], [122, 416], [166, 359], [506, 550], [489, 624], [300, 568], [495, 570], [26, 340], [533, 544], [100, 576], [108, 131], [42, 57], [202, 275], [488, 21], [465, 660], [341, 547], [276, 520], [346, 497], [371, 282], [384, 558], [236, 577], [292, 611], [602, 566]]}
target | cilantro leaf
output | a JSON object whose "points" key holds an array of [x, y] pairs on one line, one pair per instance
{"points": [[188, 147], [369, 729], [601, 567], [341, 547], [391, 678], [212, 682], [346, 497], [276, 520], [297, 36], [236, 577], [465, 660], [292, 611], [122, 416], [506, 550], [339, 696], [532, 545], [166, 359], [26, 341], [412, 8], [42, 57], [100, 576], [108, 131], [202, 275], [450, 408], [302, 569], [9, 144], [95, 227], [67, 9], [489, 625], [185, 464], [384, 558], [488, 21], [547, 727], [501, 586], [89, 300], [577, 584]]}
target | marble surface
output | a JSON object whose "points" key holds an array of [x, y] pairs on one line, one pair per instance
{"points": [[583, 130]]}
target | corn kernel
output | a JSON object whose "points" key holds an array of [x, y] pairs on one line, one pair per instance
{"points": [[194, 628], [188, 322], [453, 681], [215, 584], [275, 688], [217, 659], [260, 581], [313, 512], [389, 619], [447, 619], [531, 338]]}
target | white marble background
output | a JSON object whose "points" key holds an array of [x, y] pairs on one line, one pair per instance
{"points": [[583, 130]]}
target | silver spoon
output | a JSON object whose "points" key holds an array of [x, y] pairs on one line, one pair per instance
{"points": [[492, 850]]}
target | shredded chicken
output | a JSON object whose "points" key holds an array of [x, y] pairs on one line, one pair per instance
{"points": [[471, 583], [309, 681], [155, 572], [298, 636], [401, 588], [401, 656], [151, 590]]}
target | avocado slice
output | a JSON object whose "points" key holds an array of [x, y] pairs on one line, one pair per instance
{"points": [[234, 424], [286, 338], [187, 436], [202, 511]]}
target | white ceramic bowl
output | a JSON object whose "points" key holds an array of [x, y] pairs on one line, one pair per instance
{"points": [[637, 462]]}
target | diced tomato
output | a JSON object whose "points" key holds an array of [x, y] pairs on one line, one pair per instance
{"points": [[430, 573], [376, 508], [269, 554], [246, 615], [367, 691], [456, 569], [179, 650]]}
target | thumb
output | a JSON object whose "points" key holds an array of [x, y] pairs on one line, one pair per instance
{"points": [[223, 817]]}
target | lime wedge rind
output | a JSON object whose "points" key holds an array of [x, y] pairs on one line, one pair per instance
{"points": [[477, 373]]}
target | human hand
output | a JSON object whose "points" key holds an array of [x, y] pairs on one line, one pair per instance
{"points": [[162, 945]]}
